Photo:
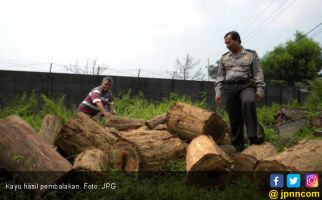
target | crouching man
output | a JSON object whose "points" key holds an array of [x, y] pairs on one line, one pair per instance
{"points": [[99, 101]]}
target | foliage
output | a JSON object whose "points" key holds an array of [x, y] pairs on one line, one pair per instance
{"points": [[296, 60], [314, 101], [33, 109]]}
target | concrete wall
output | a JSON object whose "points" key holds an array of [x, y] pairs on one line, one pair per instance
{"points": [[75, 87]]}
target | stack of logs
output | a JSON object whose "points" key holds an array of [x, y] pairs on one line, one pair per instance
{"points": [[136, 145]]}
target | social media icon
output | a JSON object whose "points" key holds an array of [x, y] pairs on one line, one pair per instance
{"points": [[293, 180], [276, 180], [311, 180]]}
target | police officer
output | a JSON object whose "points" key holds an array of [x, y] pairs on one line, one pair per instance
{"points": [[240, 81]]}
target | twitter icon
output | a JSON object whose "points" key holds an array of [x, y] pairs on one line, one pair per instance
{"points": [[293, 180]]}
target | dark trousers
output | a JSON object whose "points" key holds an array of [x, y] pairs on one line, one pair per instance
{"points": [[241, 108]]}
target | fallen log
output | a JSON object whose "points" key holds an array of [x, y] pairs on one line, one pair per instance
{"points": [[317, 133], [123, 123], [51, 126], [205, 161], [228, 149], [226, 140], [295, 113], [288, 130], [143, 128], [317, 122], [189, 121], [125, 157], [154, 122], [26, 156], [247, 159], [161, 127], [155, 148], [304, 156], [80, 133], [92, 159]]}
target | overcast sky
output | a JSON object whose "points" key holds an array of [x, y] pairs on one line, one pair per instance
{"points": [[146, 34]]}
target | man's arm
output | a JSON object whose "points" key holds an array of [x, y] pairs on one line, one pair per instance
{"points": [[101, 108], [258, 77], [111, 107], [219, 79]]}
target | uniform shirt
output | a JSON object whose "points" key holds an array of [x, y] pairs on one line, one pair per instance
{"points": [[88, 105], [244, 66]]}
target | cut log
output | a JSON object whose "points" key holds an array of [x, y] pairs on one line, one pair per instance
{"points": [[226, 140], [92, 159], [161, 127], [125, 157], [154, 122], [247, 159], [143, 128], [51, 126], [288, 129], [123, 123], [205, 161], [189, 121], [317, 133], [295, 113], [317, 122], [80, 133], [304, 156], [155, 148], [23, 150], [228, 149]]}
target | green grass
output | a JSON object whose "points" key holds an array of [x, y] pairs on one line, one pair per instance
{"points": [[136, 106], [33, 109]]}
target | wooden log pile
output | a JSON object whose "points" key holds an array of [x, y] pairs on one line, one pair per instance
{"points": [[136, 145]]}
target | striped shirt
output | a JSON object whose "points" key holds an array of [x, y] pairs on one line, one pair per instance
{"points": [[88, 105]]}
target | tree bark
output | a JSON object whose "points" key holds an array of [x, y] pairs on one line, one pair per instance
{"points": [[228, 149], [82, 132], [92, 159], [247, 159], [304, 156], [226, 140], [161, 127], [190, 121], [125, 157], [123, 123], [155, 148], [154, 122], [203, 159], [26, 153], [51, 126]]}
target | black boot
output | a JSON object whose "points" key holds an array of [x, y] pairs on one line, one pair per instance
{"points": [[256, 140], [239, 147]]}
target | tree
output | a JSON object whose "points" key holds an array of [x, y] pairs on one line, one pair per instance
{"points": [[213, 69], [183, 70], [296, 60], [91, 67]]}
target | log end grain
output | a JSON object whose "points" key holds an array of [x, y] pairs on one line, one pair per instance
{"points": [[125, 157]]}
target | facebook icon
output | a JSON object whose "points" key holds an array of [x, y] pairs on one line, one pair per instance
{"points": [[276, 180]]}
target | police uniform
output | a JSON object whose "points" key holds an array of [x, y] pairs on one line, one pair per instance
{"points": [[239, 78]]}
